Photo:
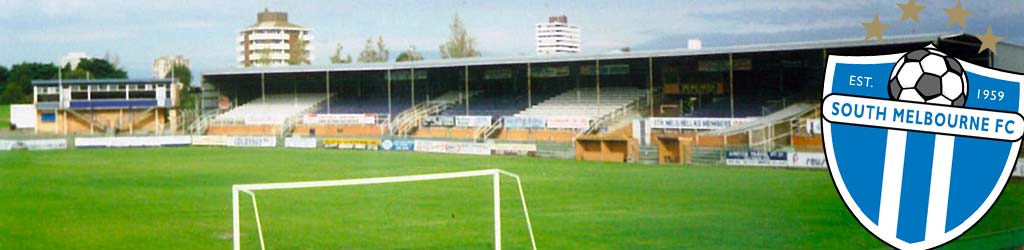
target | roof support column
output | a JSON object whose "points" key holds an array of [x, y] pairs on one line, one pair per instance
{"points": [[327, 89], [732, 96], [529, 86], [412, 88], [597, 82], [263, 88], [467, 89], [650, 84], [389, 94]]}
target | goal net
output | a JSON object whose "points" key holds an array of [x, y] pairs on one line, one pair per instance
{"points": [[255, 225]]}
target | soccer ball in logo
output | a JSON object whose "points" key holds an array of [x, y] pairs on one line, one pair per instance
{"points": [[929, 76]]}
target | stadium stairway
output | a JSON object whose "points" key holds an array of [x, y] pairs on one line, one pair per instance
{"points": [[409, 120]]}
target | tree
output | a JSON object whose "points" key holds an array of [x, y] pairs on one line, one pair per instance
{"points": [[297, 55], [374, 53], [94, 68], [3, 78], [182, 72], [382, 50], [409, 55], [184, 75], [459, 44], [19, 81], [336, 58], [264, 57]]}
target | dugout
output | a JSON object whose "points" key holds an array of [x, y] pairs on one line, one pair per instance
{"points": [[610, 149]]}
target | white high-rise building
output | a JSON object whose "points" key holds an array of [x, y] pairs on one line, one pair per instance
{"points": [[162, 65], [276, 39], [557, 36]]}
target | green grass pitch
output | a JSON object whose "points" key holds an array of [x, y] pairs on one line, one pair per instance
{"points": [[5, 116], [179, 198]]}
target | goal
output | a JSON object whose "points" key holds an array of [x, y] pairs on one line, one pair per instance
{"points": [[496, 173]]}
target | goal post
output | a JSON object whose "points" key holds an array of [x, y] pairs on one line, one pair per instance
{"points": [[496, 173]]}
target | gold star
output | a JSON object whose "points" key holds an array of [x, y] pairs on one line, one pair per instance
{"points": [[957, 15], [910, 10], [989, 41], [875, 29]]}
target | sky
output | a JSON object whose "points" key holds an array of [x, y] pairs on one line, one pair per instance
{"points": [[204, 31]]}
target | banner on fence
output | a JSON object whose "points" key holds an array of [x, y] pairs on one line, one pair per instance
{"points": [[125, 142], [340, 119], [757, 158], [209, 140], [343, 143], [528, 122], [398, 144], [1019, 168], [472, 121], [573, 122], [438, 121], [6, 145], [252, 141], [514, 149], [471, 148], [264, 120], [808, 160], [300, 142], [48, 144], [695, 123]]}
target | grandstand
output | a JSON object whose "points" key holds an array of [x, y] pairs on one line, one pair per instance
{"points": [[591, 103], [607, 99], [271, 109]]}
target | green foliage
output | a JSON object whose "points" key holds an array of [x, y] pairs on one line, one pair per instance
{"points": [[3, 78], [409, 55], [179, 198], [336, 58], [374, 52], [459, 44], [297, 54], [264, 59], [182, 72], [94, 68], [19, 81]]}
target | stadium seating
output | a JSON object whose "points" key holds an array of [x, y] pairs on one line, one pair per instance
{"points": [[745, 106], [583, 102], [272, 109], [365, 105], [488, 104]]}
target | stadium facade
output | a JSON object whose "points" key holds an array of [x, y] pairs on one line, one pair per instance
{"points": [[105, 106], [610, 107]]}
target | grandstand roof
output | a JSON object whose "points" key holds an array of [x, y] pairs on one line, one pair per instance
{"points": [[55, 82], [482, 61]]}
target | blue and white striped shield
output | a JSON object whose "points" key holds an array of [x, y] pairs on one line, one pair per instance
{"points": [[920, 144]]}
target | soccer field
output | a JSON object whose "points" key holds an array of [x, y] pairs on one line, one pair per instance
{"points": [[180, 198]]}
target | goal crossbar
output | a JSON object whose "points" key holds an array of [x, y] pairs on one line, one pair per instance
{"points": [[496, 173]]}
